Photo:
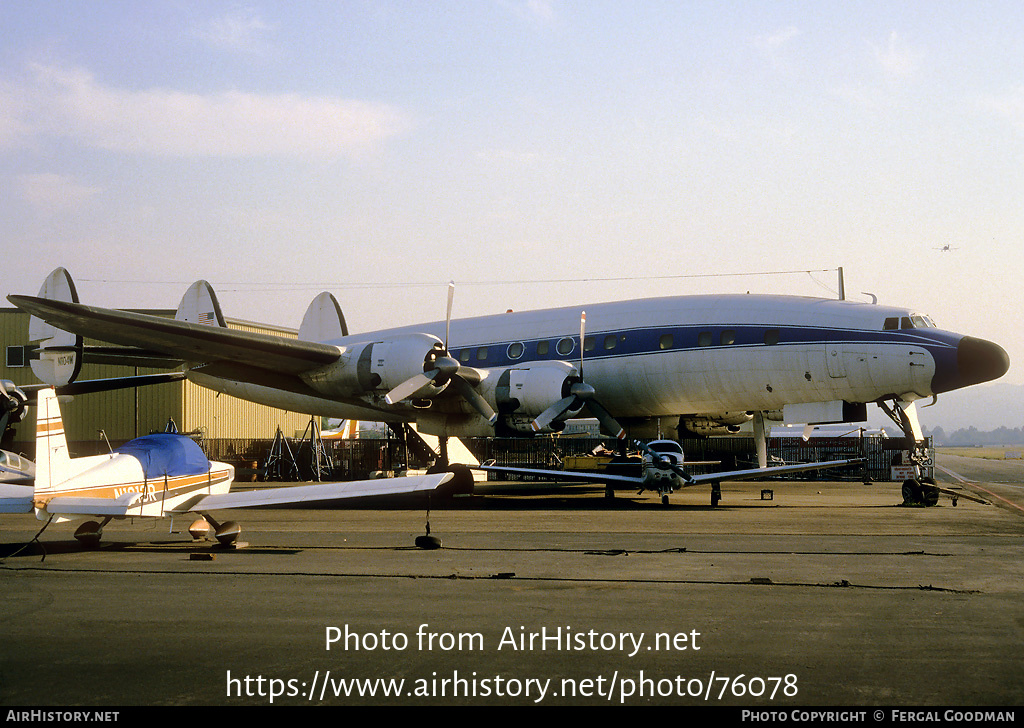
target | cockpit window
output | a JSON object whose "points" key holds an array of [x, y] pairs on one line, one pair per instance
{"points": [[914, 321]]}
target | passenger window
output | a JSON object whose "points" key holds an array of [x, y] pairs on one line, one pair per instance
{"points": [[543, 347], [481, 353], [588, 344], [465, 354], [515, 350], [609, 341], [728, 337], [665, 342], [565, 346], [771, 337], [704, 338]]}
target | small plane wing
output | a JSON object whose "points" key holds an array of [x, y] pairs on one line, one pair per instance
{"points": [[72, 506], [298, 494], [188, 341], [726, 476], [750, 474], [15, 498]]}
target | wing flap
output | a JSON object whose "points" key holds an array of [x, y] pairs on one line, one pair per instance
{"points": [[188, 341], [298, 494]]}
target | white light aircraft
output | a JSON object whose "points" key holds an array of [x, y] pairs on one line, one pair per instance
{"points": [[156, 476], [710, 363]]}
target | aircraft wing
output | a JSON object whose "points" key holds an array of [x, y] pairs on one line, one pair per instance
{"points": [[750, 474], [188, 341], [721, 477], [15, 498], [72, 506], [299, 494]]}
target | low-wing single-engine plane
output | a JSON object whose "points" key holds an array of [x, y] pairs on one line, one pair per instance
{"points": [[156, 476], [708, 362], [662, 469]]}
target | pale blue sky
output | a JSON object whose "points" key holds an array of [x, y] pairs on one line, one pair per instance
{"points": [[279, 149]]}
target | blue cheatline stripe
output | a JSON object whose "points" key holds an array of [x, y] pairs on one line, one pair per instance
{"points": [[634, 342]]}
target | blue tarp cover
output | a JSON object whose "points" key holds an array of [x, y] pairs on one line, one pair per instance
{"points": [[168, 455]]}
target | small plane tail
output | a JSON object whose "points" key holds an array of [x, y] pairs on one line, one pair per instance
{"points": [[323, 320], [60, 353], [199, 305], [53, 461]]}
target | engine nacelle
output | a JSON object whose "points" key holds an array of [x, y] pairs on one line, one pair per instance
{"points": [[520, 394], [378, 366]]}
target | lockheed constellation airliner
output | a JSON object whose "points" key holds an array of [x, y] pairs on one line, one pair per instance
{"points": [[701, 363]]}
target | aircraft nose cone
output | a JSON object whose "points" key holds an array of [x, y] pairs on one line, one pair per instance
{"points": [[980, 361]]}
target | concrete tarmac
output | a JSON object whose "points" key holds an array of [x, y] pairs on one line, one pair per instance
{"points": [[830, 594]]}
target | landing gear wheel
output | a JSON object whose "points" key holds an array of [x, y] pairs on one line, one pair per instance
{"points": [[716, 494], [89, 534], [664, 499], [912, 493], [929, 493]]}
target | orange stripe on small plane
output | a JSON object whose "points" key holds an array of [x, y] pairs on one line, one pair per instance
{"points": [[178, 485]]}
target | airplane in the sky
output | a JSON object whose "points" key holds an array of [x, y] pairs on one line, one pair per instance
{"points": [[704, 364], [156, 476]]}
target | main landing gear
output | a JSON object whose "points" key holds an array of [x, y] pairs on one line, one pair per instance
{"points": [[90, 533], [921, 492], [226, 533]]}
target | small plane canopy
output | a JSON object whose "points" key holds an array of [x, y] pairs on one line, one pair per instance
{"points": [[169, 455]]}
